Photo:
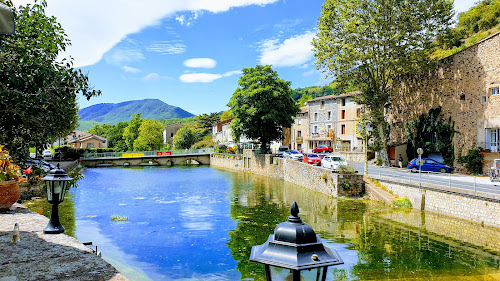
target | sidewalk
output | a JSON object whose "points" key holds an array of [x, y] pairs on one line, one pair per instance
{"points": [[38, 256]]}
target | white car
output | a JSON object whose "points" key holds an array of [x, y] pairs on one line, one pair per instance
{"points": [[332, 162], [47, 154], [293, 154]]}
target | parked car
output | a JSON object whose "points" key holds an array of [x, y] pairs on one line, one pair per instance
{"points": [[332, 162], [47, 154], [282, 150], [322, 149], [293, 154], [41, 164], [312, 158], [430, 165]]}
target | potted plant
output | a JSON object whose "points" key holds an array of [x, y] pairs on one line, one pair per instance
{"points": [[10, 175]]}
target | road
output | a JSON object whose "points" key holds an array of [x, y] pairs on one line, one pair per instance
{"points": [[481, 183]]}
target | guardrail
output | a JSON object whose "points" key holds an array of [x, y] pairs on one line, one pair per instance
{"points": [[94, 155], [470, 185]]}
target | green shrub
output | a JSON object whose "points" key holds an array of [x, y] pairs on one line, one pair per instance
{"points": [[402, 202], [343, 169], [473, 161]]}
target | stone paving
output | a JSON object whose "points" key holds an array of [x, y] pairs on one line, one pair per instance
{"points": [[38, 256]]}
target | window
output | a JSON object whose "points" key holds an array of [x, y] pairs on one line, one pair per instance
{"points": [[494, 91], [315, 116], [299, 134], [342, 129], [329, 115], [343, 102], [315, 129], [299, 120], [343, 114], [90, 145], [358, 112], [484, 99], [322, 104], [172, 135], [462, 97]]}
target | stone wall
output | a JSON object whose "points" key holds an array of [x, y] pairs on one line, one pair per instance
{"points": [[458, 86], [312, 177], [469, 207]]}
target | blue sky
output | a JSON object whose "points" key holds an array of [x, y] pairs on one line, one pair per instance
{"points": [[189, 53]]}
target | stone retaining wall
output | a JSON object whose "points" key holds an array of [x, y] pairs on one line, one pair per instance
{"points": [[313, 177], [464, 206]]}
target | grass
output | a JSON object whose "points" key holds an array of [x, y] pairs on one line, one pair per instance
{"points": [[118, 218]]}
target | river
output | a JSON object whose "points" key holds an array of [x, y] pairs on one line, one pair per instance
{"points": [[199, 223]]}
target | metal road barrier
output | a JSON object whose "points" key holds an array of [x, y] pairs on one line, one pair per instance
{"points": [[463, 184]]}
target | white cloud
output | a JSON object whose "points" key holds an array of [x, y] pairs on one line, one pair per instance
{"points": [[205, 77], [130, 69], [200, 63], [120, 56], [95, 26], [293, 51], [154, 77], [167, 47]]}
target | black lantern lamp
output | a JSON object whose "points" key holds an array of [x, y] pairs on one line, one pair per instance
{"points": [[293, 251], [56, 182]]}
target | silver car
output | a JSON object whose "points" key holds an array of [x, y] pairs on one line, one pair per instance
{"points": [[332, 162], [293, 154]]}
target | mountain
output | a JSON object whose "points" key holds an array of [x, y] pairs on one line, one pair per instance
{"points": [[113, 113]]}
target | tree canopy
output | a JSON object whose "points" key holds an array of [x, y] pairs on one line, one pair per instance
{"points": [[262, 106], [368, 43], [37, 92], [185, 138], [150, 136]]}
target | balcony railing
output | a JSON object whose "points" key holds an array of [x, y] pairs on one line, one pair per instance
{"points": [[493, 146]]}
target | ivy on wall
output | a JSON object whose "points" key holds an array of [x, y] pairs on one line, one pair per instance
{"points": [[432, 133]]}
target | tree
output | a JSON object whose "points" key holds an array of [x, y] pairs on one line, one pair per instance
{"points": [[37, 92], [370, 42], [131, 132], [225, 115], [184, 138], [262, 106], [115, 137], [101, 130], [150, 136], [205, 122]]}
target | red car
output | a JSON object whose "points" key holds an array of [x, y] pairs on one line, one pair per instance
{"points": [[311, 158], [322, 149]]}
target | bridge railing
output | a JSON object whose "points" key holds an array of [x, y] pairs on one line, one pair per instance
{"points": [[94, 155]]}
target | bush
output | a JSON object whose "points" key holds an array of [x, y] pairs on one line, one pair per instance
{"points": [[346, 169], [473, 161], [402, 202]]}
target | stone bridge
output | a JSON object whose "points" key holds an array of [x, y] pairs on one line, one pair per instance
{"points": [[143, 159]]}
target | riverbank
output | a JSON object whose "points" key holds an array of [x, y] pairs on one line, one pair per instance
{"points": [[38, 256]]}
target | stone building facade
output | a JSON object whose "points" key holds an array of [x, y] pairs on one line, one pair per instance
{"points": [[331, 120], [466, 87], [169, 132]]}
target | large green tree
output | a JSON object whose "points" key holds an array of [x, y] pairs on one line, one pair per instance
{"points": [[369, 43], [131, 132], [262, 106], [150, 136], [37, 92], [185, 138]]}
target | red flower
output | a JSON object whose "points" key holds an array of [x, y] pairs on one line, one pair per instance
{"points": [[28, 171]]}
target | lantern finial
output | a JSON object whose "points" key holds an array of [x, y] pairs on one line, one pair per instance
{"points": [[294, 211]]}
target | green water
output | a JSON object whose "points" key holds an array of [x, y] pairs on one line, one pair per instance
{"points": [[200, 223]]}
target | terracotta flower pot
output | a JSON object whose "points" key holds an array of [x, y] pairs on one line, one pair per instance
{"points": [[9, 193]]}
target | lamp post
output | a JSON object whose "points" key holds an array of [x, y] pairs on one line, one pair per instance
{"points": [[294, 251], [56, 182], [368, 131]]}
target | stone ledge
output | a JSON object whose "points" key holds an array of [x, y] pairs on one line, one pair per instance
{"points": [[38, 256]]}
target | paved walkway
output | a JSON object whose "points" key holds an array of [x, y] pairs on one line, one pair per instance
{"points": [[38, 256]]}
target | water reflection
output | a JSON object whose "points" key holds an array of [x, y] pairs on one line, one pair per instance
{"points": [[376, 242], [200, 224]]}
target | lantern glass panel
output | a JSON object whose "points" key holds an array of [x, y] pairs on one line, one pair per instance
{"points": [[50, 196], [282, 274]]}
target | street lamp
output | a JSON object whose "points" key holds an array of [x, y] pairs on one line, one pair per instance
{"points": [[293, 251], [56, 182]]}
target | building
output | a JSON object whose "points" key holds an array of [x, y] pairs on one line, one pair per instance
{"points": [[331, 120], [466, 87], [169, 132], [89, 141], [300, 130]]}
